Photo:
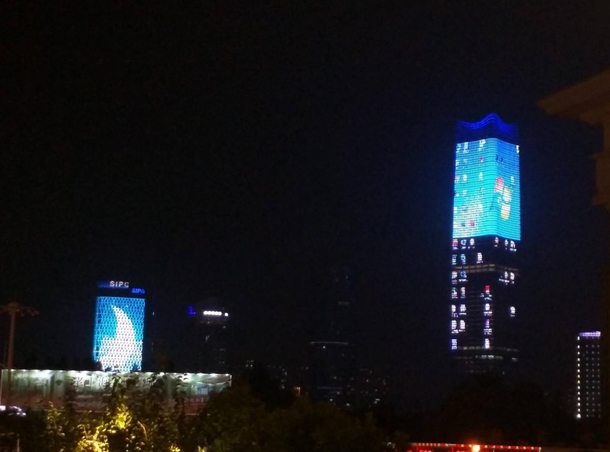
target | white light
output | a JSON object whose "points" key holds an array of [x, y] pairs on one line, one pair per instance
{"points": [[213, 313]]}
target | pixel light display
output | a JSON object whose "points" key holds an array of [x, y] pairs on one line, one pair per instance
{"points": [[118, 335], [487, 189]]}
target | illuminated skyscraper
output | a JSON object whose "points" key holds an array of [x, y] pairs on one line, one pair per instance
{"points": [[588, 375], [119, 327], [486, 237]]}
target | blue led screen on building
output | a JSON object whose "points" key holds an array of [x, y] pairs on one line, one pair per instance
{"points": [[118, 333], [487, 190]]}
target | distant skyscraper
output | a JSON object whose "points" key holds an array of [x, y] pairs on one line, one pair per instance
{"points": [[210, 322], [485, 239], [588, 375], [330, 356], [119, 327]]}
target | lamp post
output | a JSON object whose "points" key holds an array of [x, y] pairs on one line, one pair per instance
{"points": [[13, 309]]}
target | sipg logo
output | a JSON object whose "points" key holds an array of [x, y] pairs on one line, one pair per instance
{"points": [[119, 284]]}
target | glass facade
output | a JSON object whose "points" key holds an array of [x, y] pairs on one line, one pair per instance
{"points": [[486, 234], [119, 330], [588, 375]]}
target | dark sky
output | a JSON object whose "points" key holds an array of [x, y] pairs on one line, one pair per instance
{"points": [[244, 149]]}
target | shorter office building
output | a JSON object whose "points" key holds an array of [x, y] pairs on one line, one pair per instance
{"points": [[209, 332], [588, 375]]}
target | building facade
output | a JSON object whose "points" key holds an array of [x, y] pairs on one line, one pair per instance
{"points": [[91, 389], [210, 324], [486, 235], [331, 354], [119, 327], [588, 375]]}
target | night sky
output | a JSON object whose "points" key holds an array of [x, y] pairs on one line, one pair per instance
{"points": [[245, 149]]}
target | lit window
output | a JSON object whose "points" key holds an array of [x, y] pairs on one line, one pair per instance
{"points": [[453, 344], [462, 325], [452, 308], [487, 344], [479, 258], [462, 308], [512, 311]]}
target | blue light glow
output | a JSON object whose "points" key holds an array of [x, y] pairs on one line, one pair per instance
{"points": [[118, 334], [490, 126], [487, 190]]}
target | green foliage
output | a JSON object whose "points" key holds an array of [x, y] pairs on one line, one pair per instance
{"points": [[137, 418], [236, 421]]}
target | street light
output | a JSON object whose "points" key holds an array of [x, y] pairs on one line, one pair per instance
{"points": [[13, 309]]}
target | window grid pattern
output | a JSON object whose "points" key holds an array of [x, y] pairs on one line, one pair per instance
{"points": [[118, 333]]}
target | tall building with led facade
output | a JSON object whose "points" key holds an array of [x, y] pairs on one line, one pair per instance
{"points": [[485, 241], [588, 375], [119, 327]]}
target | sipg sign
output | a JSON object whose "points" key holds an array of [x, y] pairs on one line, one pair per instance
{"points": [[114, 285]]}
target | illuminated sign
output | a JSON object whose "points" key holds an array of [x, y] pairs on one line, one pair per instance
{"points": [[137, 290], [114, 285], [590, 334], [487, 191], [118, 333]]}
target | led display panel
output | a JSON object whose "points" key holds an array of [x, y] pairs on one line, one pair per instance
{"points": [[118, 333], [487, 189]]}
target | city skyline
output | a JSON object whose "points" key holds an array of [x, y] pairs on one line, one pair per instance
{"points": [[248, 151]]}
